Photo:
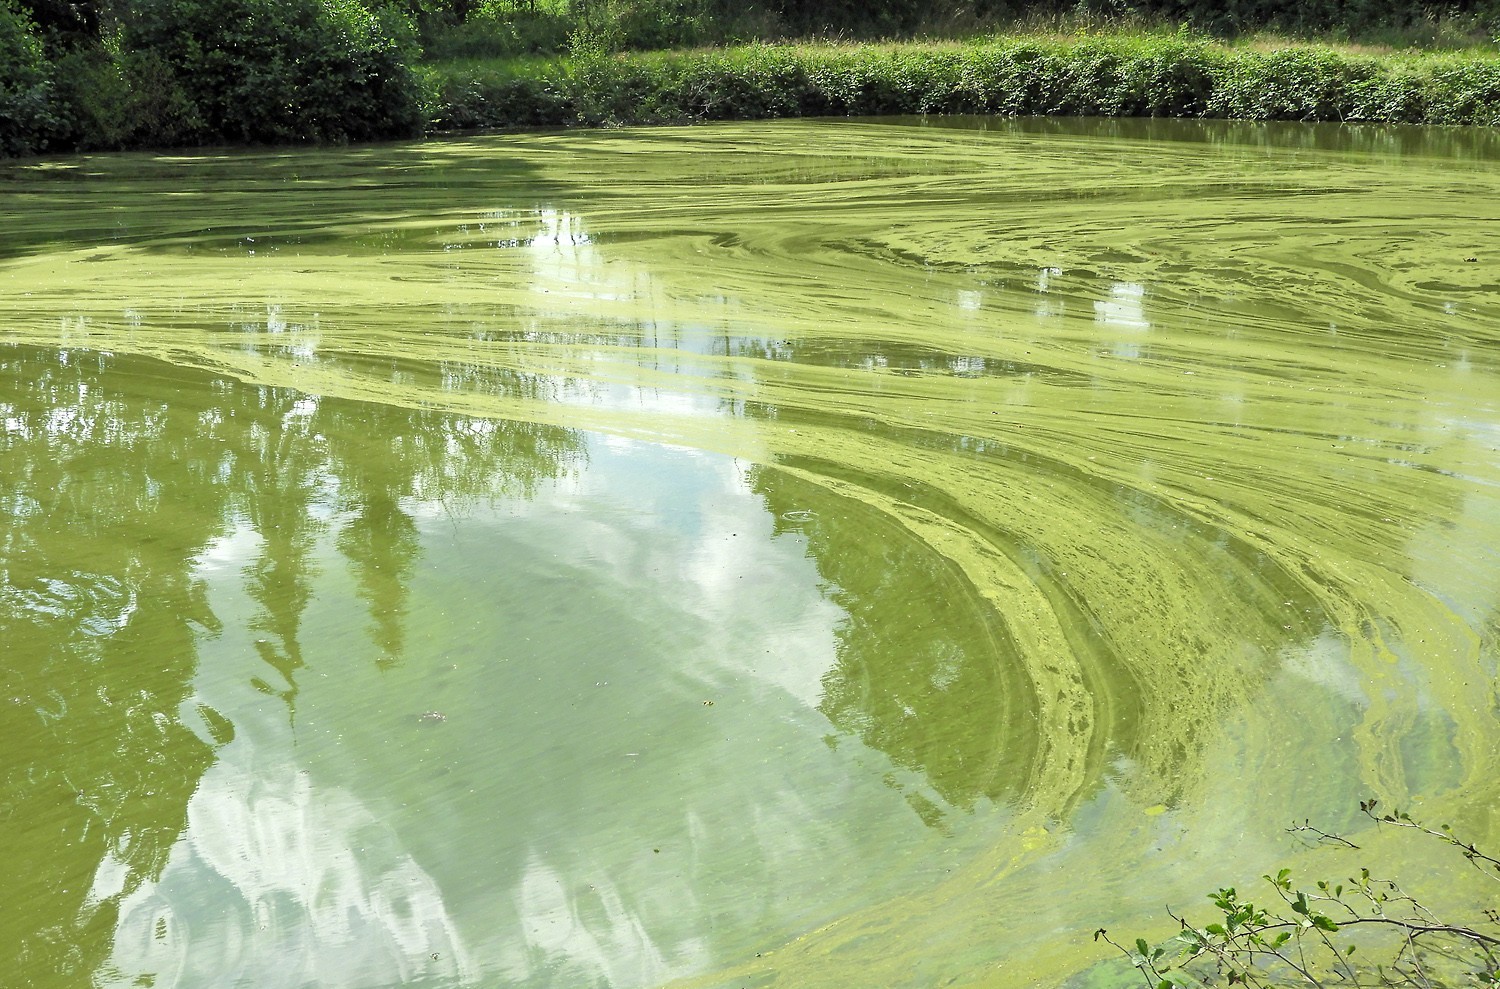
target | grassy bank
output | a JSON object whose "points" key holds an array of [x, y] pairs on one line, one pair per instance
{"points": [[1112, 75]]}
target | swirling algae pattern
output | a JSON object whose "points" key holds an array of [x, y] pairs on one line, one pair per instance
{"points": [[1175, 414]]}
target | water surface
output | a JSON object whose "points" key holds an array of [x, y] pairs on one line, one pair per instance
{"points": [[797, 553]]}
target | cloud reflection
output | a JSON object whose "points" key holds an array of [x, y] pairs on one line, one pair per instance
{"points": [[280, 883]]}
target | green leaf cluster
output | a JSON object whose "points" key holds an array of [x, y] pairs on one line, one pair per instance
{"points": [[30, 119], [182, 72], [271, 71], [1303, 939]]}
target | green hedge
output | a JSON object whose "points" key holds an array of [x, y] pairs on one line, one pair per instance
{"points": [[1160, 75]]}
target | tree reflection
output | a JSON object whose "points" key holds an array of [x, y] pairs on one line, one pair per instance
{"points": [[381, 544], [279, 461], [925, 670], [120, 475], [101, 613]]}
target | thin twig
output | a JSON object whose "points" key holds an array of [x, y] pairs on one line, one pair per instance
{"points": [[1322, 835]]}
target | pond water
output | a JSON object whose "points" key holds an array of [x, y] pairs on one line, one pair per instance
{"points": [[810, 553]]}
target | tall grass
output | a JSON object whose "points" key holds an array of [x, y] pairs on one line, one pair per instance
{"points": [[502, 28], [1113, 75]]}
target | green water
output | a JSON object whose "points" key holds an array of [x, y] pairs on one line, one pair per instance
{"points": [[804, 554]]}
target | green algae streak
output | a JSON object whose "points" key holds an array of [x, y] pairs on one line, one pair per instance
{"points": [[1047, 512]]}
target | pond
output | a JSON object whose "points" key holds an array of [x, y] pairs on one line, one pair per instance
{"points": [[809, 553]]}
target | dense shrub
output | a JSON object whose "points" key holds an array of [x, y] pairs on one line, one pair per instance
{"points": [[126, 99], [1150, 75], [273, 71], [29, 114], [63, 23], [654, 24], [893, 18], [459, 29], [1348, 17], [1463, 92], [496, 30], [482, 95], [1292, 84]]}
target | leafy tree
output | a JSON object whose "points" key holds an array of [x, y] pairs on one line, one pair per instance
{"points": [[276, 71], [64, 22], [29, 118]]}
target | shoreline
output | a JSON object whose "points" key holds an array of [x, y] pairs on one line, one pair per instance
{"points": [[1115, 74]]}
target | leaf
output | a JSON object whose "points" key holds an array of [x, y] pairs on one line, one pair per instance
{"points": [[1323, 923], [1217, 929], [1142, 946]]}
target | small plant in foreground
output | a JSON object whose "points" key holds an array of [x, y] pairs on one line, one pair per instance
{"points": [[1365, 931]]}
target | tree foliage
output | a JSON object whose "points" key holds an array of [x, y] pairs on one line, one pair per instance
{"points": [[63, 22], [29, 116], [274, 71]]}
